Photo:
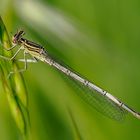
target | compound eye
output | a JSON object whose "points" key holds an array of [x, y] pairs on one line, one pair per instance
{"points": [[16, 38]]}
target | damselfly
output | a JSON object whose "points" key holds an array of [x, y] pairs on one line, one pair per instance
{"points": [[93, 95]]}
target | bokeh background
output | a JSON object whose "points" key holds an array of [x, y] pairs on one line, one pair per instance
{"points": [[97, 38]]}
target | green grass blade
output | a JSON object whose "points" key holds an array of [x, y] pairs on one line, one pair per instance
{"points": [[14, 86]]}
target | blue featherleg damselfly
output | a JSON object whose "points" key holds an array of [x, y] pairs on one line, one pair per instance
{"points": [[96, 97]]}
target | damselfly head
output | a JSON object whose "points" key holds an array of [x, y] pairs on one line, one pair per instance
{"points": [[16, 38]]}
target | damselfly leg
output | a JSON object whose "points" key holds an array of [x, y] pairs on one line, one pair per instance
{"points": [[13, 57], [25, 60], [20, 70], [9, 59]]}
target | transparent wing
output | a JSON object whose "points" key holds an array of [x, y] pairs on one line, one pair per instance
{"points": [[97, 101]]}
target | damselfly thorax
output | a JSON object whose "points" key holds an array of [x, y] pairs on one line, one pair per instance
{"points": [[34, 49]]}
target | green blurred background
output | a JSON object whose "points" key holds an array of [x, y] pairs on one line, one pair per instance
{"points": [[97, 38]]}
